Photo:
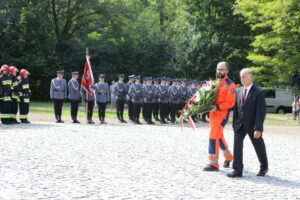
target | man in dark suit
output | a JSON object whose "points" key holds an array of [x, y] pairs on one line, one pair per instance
{"points": [[248, 118]]}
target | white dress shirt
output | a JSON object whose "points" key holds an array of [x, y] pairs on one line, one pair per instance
{"points": [[248, 89]]}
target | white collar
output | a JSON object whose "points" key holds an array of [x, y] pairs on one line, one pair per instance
{"points": [[248, 88]]}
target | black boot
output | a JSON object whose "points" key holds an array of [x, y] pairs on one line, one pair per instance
{"points": [[103, 120], [211, 168], [119, 118], [60, 121], [122, 119], [25, 121], [57, 119]]}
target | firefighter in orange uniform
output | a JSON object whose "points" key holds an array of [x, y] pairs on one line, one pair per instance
{"points": [[218, 118]]}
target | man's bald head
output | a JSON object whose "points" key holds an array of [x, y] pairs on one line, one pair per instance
{"points": [[222, 69], [246, 76], [223, 64]]}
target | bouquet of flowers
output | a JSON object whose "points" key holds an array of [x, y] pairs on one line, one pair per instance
{"points": [[201, 102]]}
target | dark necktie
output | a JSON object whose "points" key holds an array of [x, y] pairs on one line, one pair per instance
{"points": [[244, 96]]}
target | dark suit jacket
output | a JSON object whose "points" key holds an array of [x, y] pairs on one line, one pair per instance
{"points": [[250, 116]]}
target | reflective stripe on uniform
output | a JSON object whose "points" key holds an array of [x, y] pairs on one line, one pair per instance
{"points": [[5, 116], [26, 86], [6, 99], [26, 100], [15, 84], [6, 82], [227, 154], [213, 156], [213, 162], [23, 116]]}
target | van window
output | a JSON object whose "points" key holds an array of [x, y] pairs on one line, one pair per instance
{"points": [[269, 93]]}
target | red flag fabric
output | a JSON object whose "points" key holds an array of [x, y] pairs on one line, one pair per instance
{"points": [[87, 78]]}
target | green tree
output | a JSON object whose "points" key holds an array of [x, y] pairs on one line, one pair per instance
{"points": [[275, 50]]}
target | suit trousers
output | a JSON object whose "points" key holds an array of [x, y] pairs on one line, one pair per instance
{"points": [[258, 144]]}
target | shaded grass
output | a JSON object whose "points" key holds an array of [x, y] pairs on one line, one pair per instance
{"points": [[47, 108]]}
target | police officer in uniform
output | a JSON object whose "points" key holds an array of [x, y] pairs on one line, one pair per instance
{"points": [[5, 91], [163, 99], [192, 89], [183, 95], [168, 111], [89, 100], [155, 100], [24, 95], [119, 90], [58, 92], [128, 99], [136, 94], [14, 94], [102, 97], [74, 95], [174, 100], [149, 98]]}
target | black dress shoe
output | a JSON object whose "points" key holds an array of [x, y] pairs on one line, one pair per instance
{"points": [[262, 172], [91, 122], [235, 174], [226, 163], [211, 168]]}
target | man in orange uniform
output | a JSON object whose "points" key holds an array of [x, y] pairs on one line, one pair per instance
{"points": [[218, 118]]}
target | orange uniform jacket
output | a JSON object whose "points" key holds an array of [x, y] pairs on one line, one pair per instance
{"points": [[225, 100]]}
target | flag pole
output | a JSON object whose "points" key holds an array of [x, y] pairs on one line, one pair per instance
{"points": [[86, 93]]}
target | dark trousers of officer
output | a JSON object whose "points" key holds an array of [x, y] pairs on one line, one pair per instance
{"points": [[14, 109], [136, 111], [130, 110], [24, 110], [155, 110], [74, 109], [101, 111], [259, 146], [173, 111], [180, 107], [168, 111], [148, 111], [163, 111], [90, 109], [120, 108], [58, 103], [144, 110], [5, 112]]}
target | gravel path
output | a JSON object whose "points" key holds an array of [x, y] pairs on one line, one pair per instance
{"points": [[125, 161]]}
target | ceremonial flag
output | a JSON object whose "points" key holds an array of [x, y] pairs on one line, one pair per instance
{"points": [[87, 78]]}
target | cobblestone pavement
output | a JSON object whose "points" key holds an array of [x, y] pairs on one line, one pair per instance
{"points": [[117, 161]]}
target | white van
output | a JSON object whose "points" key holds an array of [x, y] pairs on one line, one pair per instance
{"points": [[279, 100]]}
